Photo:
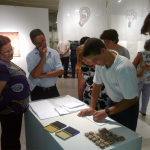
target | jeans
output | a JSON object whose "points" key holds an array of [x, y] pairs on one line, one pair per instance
{"points": [[145, 90], [127, 117], [65, 62], [73, 66]]}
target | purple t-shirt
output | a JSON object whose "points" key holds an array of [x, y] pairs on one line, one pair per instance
{"points": [[15, 95]]}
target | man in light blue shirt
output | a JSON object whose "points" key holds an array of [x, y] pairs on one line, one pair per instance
{"points": [[44, 67], [118, 75]]}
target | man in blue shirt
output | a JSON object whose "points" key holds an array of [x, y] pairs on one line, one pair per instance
{"points": [[44, 67]]}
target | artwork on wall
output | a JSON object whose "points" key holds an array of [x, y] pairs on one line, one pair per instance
{"points": [[127, 18], [84, 15], [131, 15], [78, 18], [14, 37]]}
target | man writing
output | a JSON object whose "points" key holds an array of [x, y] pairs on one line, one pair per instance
{"points": [[119, 77], [44, 67]]}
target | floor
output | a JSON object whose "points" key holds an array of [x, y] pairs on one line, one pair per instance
{"points": [[68, 86]]}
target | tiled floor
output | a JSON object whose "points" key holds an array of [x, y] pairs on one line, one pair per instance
{"points": [[69, 87]]}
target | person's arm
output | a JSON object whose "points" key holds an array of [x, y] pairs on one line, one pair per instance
{"points": [[2, 85], [36, 72], [58, 49], [94, 97], [65, 52], [54, 73], [121, 106], [58, 69], [136, 60], [81, 85]]}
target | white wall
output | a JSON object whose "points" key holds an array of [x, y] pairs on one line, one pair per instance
{"points": [[23, 20]]}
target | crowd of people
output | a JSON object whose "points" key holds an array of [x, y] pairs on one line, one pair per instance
{"points": [[107, 80]]}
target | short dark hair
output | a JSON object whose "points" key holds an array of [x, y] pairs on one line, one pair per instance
{"points": [[146, 24], [110, 34], [34, 33], [83, 39], [4, 40], [93, 47], [147, 45]]}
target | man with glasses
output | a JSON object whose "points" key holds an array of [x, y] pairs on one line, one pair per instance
{"points": [[44, 67], [119, 77]]}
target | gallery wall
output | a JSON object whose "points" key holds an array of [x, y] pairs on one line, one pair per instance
{"points": [[23, 20], [90, 18]]}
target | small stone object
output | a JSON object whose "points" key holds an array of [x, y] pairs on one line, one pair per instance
{"points": [[94, 139], [97, 143], [122, 138], [90, 137], [117, 139], [110, 133], [97, 137], [106, 144], [102, 140], [98, 133], [86, 134], [94, 135], [115, 136], [101, 145], [91, 132]]}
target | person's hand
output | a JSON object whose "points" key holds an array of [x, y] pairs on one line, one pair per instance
{"points": [[86, 112], [42, 51], [99, 115], [61, 55]]}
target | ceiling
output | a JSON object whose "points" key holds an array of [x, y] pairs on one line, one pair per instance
{"points": [[52, 5]]}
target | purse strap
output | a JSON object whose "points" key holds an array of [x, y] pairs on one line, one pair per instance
{"points": [[141, 57]]}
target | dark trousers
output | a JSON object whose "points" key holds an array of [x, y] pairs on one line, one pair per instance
{"points": [[127, 117], [73, 66], [65, 62], [11, 129], [44, 93]]}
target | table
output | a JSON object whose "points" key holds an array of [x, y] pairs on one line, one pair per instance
{"points": [[39, 139]]}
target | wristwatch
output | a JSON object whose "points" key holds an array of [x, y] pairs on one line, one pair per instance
{"points": [[107, 111]]}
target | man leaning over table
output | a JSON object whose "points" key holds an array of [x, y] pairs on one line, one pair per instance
{"points": [[119, 77], [44, 67]]}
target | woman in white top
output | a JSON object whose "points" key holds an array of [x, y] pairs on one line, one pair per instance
{"points": [[110, 38]]}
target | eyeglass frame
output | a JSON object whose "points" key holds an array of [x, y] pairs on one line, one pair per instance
{"points": [[8, 52], [40, 44]]}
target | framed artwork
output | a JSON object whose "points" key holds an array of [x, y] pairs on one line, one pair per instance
{"points": [[14, 37]]}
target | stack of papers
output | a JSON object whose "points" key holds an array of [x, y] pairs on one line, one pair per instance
{"points": [[61, 110], [43, 109], [71, 104]]}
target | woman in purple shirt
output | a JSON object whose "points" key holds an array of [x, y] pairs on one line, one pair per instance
{"points": [[14, 97]]}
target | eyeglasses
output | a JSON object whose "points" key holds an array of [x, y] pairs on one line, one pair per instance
{"points": [[8, 52], [40, 44]]}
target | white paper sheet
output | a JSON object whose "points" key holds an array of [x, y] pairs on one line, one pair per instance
{"points": [[69, 102], [98, 123], [43, 109], [61, 110], [76, 108]]}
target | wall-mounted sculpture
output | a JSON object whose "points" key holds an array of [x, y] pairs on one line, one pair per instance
{"points": [[131, 15], [84, 15]]}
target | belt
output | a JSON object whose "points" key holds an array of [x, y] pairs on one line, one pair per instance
{"points": [[45, 88]]}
